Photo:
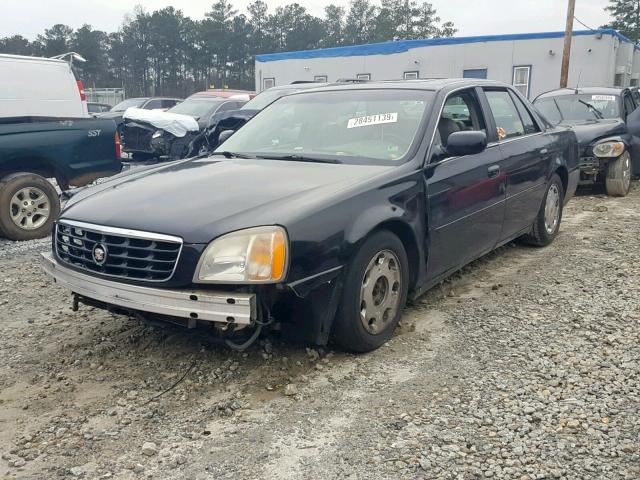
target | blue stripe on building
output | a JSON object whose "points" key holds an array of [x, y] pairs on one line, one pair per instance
{"points": [[401, 46]]}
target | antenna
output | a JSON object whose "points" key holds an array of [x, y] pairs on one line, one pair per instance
{"points": [[579, 78]]}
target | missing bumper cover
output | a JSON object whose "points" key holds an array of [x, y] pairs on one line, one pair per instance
{"points": [[210, 306]]}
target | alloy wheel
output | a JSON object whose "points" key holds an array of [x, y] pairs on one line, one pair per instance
{"points": [[29, 208]]}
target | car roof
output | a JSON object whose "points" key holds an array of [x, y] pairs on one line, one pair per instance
{"points": [[297, 86], [230, 94], [430, 84], [583, 90]]}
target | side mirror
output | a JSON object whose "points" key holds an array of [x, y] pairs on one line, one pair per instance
{"points": [[224, 136], [466, 143]]}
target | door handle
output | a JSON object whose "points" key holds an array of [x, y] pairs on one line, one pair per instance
{"points": [[493, 171]]}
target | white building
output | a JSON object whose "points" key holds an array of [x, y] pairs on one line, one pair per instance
{"points": [[529, 61]]}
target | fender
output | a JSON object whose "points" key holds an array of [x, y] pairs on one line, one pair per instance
{"points": [[34, 164], [405, 219]]}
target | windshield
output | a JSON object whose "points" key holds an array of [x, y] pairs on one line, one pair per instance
{"points": [[267, 97], [196, 107], [131, 102], [355, 126], [580, 107]]}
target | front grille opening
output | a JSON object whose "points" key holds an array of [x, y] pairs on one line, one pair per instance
{"points": [[125, 257]]}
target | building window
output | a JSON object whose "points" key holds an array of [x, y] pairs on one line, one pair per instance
{"points": [[363, 76], [475, 73], [522, 79], [267, 83], [633, 82], [320, 79], [411, 75]]}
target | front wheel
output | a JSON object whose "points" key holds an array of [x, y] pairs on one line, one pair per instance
{"points": [[547, 224], [618, 181], [375, 291], [28, 206]]}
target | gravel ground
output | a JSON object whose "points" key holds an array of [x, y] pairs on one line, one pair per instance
{"points": [[523, 366]]}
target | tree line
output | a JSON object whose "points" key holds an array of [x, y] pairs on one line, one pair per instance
{"points": [[165, 52]]}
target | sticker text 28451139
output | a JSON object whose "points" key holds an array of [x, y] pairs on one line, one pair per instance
{"points": [[373, 120]]}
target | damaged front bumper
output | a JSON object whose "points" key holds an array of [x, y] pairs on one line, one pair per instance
{"points": [[228, 308], [591, 167]]}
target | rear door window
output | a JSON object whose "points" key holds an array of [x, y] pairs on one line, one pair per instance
{"points": [[508, 122], [528, 122]]}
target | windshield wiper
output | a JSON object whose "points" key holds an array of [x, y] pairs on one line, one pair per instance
{"points": [[300, 158], [592, 108], [231, 154]]}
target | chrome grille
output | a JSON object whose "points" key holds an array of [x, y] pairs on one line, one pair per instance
{"points": [[128, 253]]}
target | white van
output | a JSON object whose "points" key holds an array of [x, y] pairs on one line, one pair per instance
{"points": [[39, 87]]}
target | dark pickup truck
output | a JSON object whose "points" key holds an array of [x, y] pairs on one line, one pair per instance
{"points": [[73, 151]]}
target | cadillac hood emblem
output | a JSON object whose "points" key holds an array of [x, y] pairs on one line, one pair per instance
{"points": [[99, 254]]}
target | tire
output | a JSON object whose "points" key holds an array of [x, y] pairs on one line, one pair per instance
{"points": [[618, 180], [34, 220], [383, 298], [547, 224]]}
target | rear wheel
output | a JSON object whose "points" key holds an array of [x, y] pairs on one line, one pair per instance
{"points": [[28, 206], [374, 294], [618, 181], [547, 223]]}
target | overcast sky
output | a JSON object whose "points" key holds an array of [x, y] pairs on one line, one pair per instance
{"points": [[479, 17]]}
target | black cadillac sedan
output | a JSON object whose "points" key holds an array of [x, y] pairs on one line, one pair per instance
{"points": [[322, 225]]}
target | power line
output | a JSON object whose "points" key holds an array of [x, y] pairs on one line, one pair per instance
{"points": [[583, 24]]}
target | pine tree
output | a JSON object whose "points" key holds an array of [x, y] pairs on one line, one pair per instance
{"points": [[626, 17]]}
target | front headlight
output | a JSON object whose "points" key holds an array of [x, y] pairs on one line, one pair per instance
{"points": [[254, 255], [157, 134], [608, 149]]}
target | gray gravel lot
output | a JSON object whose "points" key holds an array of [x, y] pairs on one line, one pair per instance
{"points": [[525, 365]]}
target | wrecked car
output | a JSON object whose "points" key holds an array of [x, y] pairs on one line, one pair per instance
{"points": [[607, 124], [232, 120], [321, 226], [143, 140]]}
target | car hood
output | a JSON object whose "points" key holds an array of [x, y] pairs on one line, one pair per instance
{"points": [[200, 199], [590, 131]]}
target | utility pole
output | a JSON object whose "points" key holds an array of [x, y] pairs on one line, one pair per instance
{"points": [[566, 54]]}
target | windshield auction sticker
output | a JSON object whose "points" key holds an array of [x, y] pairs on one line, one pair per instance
{"points": [[603, 98], [378, 119]]}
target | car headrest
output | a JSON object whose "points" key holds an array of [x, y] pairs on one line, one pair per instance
{"points": [[446, 127]]}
